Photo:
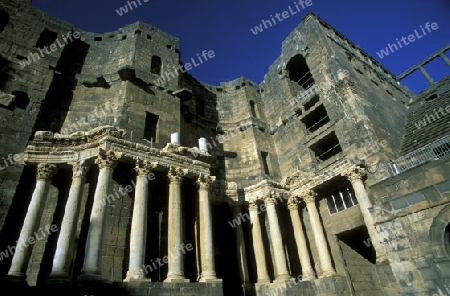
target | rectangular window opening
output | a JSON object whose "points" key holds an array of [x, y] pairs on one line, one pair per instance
{"points": [[151, 127], [264, 156], [326, 147], [341, 199], [200, 108], [309, 104], [316, 119]]}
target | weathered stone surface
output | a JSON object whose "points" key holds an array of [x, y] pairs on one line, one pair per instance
{"points": [[288, 137]]}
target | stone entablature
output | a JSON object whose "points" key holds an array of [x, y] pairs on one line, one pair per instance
{"points": [[48, 147]]}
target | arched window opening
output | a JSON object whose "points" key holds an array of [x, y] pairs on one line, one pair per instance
{"points": [[156, 65], [299, 72], [253, 109], [447, 238], [4, 20], [22, 99]]}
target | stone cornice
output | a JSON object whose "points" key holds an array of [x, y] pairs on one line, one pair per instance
{"points": [[265, 187], [66, 149], [300, 181]]}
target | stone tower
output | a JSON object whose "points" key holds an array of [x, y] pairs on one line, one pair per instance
{"points": [[122, 174]]}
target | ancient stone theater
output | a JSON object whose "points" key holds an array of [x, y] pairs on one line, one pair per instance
{"points": [[121, 174]]}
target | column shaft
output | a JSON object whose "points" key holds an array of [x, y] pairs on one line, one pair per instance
{"points": [[427, 76], [91, 266], [300, 239], [240, 244], [22, 254], [445, 58], [355, 176], [175, 227], [258, 244], [69, 223], [277, 241], [206, 231], [319, 236], [138, 234]]}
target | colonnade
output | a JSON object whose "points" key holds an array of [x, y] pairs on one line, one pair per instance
{"points": [[107, 161], [266, 203]]}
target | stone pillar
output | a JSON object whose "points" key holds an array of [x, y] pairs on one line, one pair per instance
{"points": [[445, 58], [61, 261], [282, 272], [240, 243], [427, 76], [319, 236], [206, 231], [355, 175], [106, 161], [258, 244], [175, 227], [22, 253], [138, 234], [300, 239]]}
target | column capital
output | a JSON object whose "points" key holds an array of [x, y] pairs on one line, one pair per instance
{"points": [[269, 198], [293, 203], [175, 174], [46, 171], [204, 181], [253, 204], [79, 169], [106, 159], [354, 173], [308, 196], [144, 167]]}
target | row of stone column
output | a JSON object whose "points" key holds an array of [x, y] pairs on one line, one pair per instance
{"points": [[107, 161], [355, 175], [280, 260]]}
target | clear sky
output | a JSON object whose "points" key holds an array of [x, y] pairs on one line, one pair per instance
{"points": [[224, 27]]}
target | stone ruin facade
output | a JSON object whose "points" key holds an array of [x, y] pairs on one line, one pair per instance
{"points": [[317, 181]]}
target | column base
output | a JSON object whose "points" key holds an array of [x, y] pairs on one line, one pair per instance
{"points": [[209, 280], [283, 278], [327, 273], [263, 282], [58, 278], [176, 279], [309, 275], [209, 276], [136, 275], [90, 277]]}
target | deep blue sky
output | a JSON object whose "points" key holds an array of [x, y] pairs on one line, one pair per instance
{"points": [[224, 26]]}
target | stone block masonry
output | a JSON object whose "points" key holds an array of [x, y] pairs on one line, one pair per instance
{"points": [[35, 56], [431, 118]]}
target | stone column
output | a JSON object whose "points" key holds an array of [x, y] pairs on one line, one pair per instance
{"points": [[175, 227], [206, 231], [355, 175], [427, 76], [61, 261], [236, 207], [282, 272], [138, 234], [106, 161], [445, 58], [22, 253], [319, 236], [258, 243], [302, 248]]}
